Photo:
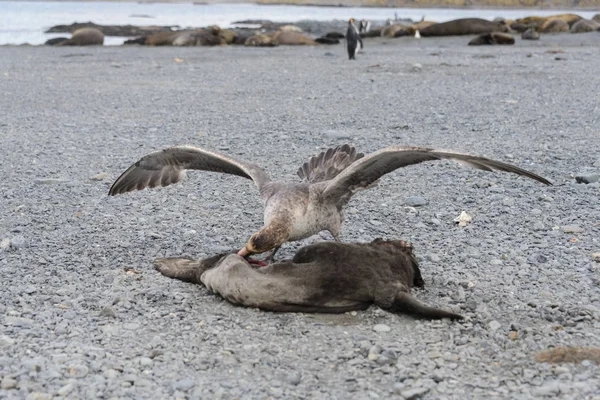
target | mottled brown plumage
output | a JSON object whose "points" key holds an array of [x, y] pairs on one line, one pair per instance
{"points": [[294, 211]]}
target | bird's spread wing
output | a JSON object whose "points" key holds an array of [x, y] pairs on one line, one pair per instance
{"points": [[168, 166], [328, 164], [368, 169]]}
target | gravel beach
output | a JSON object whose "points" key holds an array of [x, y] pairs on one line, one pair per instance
{"points": [[83, 313]]}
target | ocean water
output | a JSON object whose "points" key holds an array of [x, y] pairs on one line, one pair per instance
{"points": [[26, 21]]}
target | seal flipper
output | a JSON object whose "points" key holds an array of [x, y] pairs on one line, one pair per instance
{"points": [[186, 269], [405, 303]]}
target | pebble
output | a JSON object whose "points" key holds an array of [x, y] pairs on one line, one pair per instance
{"points": [[415, 201], [572, 229], [100, 177], [29, 289], [417, 67], [38, 396], [145, 361], [5, 341], [415, 393], [377, 349], [294, 378], [587, 178], [434, 258], [383, 360], [65, 390], [596, 257], [131, 326], [111, 373], [548, 389], [50, 181], [390, 354], [5, 244], [108, 312], [508, 202], [18, 242], [381, 328], [494, 325], [8, 383], [155, 353], [184, 384], [78, 370]]}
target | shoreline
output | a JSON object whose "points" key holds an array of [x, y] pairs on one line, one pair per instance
{"points": [[316, 3]]}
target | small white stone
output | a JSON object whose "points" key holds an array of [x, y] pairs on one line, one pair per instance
{"points": [[8, 383], [494, 325], [381, 328]]}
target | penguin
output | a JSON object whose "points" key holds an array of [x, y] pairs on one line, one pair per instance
{"points": [[364, 26], [353, 40]]}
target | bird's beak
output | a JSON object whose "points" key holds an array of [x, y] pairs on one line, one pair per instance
{"points": [[244, 252]]}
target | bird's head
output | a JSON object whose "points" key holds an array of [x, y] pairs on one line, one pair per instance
{"points": [[266, 239], [351, 20]]}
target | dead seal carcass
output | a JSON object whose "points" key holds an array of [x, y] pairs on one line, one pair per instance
{"points": [[325, 277]]}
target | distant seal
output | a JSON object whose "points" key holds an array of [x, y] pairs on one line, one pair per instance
{"points": [[326, 40], [554, 26], [492, 38], [325, 277], [334, 35], [261, 40], [55, 41], [391, 30], [157, 39], [537, 22], [414, 29], [292, 38], [198, 39], [585, 25], [464, 26], [290, 28], [83, 37], [519, 27], [530, 34], [228, 35]]}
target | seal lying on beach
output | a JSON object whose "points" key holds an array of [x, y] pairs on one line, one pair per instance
{"points": [[464, 26], [199, 37], [324, 277], [492, 38], [554, 26], [81, 37], [537, 22], [294, 211], [530, 34], [585, 25]]}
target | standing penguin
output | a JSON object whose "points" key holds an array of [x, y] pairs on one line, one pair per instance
{"points": [[353, 40]]}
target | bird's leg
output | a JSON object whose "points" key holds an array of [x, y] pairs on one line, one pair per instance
{"points": [[336, 235], [269, 259]]}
